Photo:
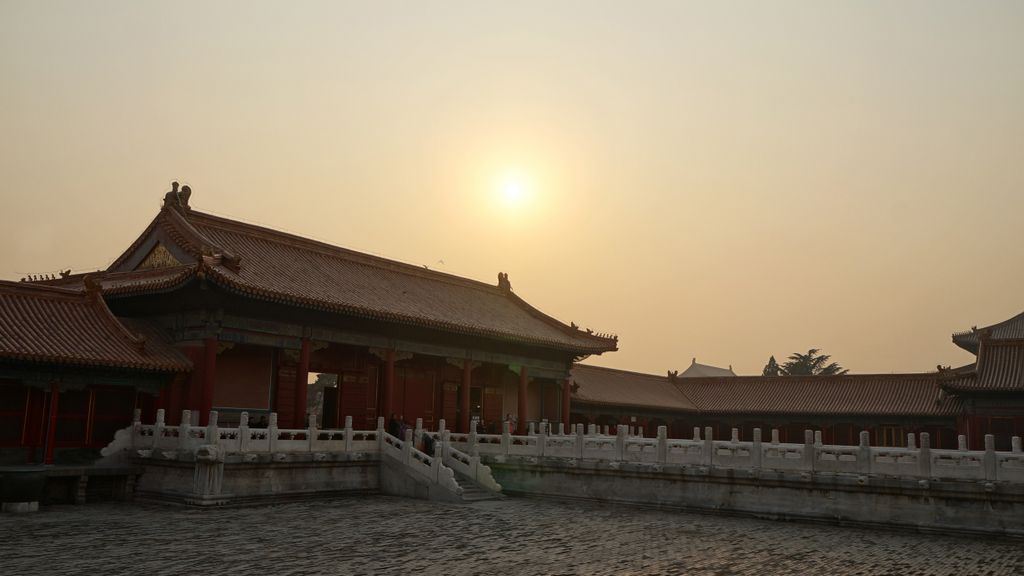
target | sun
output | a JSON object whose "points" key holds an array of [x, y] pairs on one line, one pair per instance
{"points": [[513, 189]]}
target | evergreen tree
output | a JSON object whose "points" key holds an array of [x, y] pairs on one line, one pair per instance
{"points": [[811, 364], [771, 368]]}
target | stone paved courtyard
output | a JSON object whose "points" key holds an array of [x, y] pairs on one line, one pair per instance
{"points": [[384, 535]]}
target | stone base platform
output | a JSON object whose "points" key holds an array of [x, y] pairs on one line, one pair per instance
{"points": [[981, 508]]}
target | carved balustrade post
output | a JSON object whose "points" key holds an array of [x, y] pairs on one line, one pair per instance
{"points": [[474, 447], [580, 439], [506, 440], [775, 435], [696, 433], [407, 447], [136, 427], [911, 444], [990, 457], [311, 432], [640, 431], [244, 437], [591, 429], [542, 439], [272, 432], [734, 435], [212, 430], [158, 427], [924, 456], [380, 434], [708, 455], [417, 436], [662, 444], [561, 428], [183, 430], [348, 434], [864, 452], [756, 453], [444, 444], [810, 447], [530, 431], [961, 443], [620, 442], [1015, 444], [817, 438]]}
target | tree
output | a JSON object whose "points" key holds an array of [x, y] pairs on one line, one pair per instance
{"points": [[771, 368], [811, 364]]}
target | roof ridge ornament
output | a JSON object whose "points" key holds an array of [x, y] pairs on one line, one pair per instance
{"points": [[503, 282], [178, 198]]}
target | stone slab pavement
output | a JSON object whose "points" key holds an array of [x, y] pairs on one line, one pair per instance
{"points": [[386, 535]]}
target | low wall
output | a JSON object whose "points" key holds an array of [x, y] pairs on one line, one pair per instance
{"points": [[871, 500], [266, 479]]}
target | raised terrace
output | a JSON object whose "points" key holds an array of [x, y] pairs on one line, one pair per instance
{"points": [[913, 487]]}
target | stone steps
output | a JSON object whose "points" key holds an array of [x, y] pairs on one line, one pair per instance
{"points": [[473, 493]]}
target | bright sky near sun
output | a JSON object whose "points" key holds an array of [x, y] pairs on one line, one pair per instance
{"points": [[720, 180]]}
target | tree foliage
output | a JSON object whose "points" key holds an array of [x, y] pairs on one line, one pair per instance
{"points": [[810, 364], [771, 368]]}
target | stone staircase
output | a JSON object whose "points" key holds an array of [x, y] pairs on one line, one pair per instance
{"points": [[473, 493]]}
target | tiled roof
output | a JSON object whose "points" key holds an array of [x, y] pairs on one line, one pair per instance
{"points": [[271, 265], [1000, 369], [866, 394], [598, 385], [847, 395], [1012, 329], [49, 325]]}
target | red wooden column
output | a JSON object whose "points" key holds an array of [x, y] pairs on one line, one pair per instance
{"points": [[566, 399], [521, 397], [387, 405], [51, 427], [467, 381], [301, 385], [209, 379]]}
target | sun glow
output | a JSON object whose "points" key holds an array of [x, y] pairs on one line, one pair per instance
{"points": [[513, 189]]}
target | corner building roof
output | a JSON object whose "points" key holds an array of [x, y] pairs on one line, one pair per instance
{"points": [[50, 325]]}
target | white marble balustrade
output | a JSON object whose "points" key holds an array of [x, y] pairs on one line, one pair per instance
{"points": [[462, 451]]}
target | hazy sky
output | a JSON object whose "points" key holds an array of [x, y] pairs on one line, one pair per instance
{"points": [[725, 180]]}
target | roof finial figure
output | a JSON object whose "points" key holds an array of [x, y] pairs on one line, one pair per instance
{"points": [[503, 282], [176, 198]]}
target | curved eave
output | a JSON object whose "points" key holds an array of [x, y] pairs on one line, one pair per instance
{"points": [[225, 281], [220, 279], [73, 362], [659, 408]]}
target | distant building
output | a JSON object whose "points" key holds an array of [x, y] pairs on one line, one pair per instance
{"points": [[695, 370]]}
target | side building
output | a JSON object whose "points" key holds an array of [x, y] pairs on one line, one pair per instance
{"points": [[981, 398], [72, 373], [887, 405]]}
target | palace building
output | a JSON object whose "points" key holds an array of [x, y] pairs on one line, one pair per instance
{"points": [[205, 313]]}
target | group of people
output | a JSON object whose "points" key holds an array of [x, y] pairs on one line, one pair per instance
{"points": [[397, 427]]}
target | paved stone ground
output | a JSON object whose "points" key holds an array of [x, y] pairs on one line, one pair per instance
{"points": [[385, 535]]}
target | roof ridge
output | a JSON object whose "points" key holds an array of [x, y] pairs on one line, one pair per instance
{"points": [[804, 378], [340, 251], [555, 322], [34, 288], [620, 370]]}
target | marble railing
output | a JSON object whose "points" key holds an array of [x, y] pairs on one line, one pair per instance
{"points": [[917, 460], [461, 452]]}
